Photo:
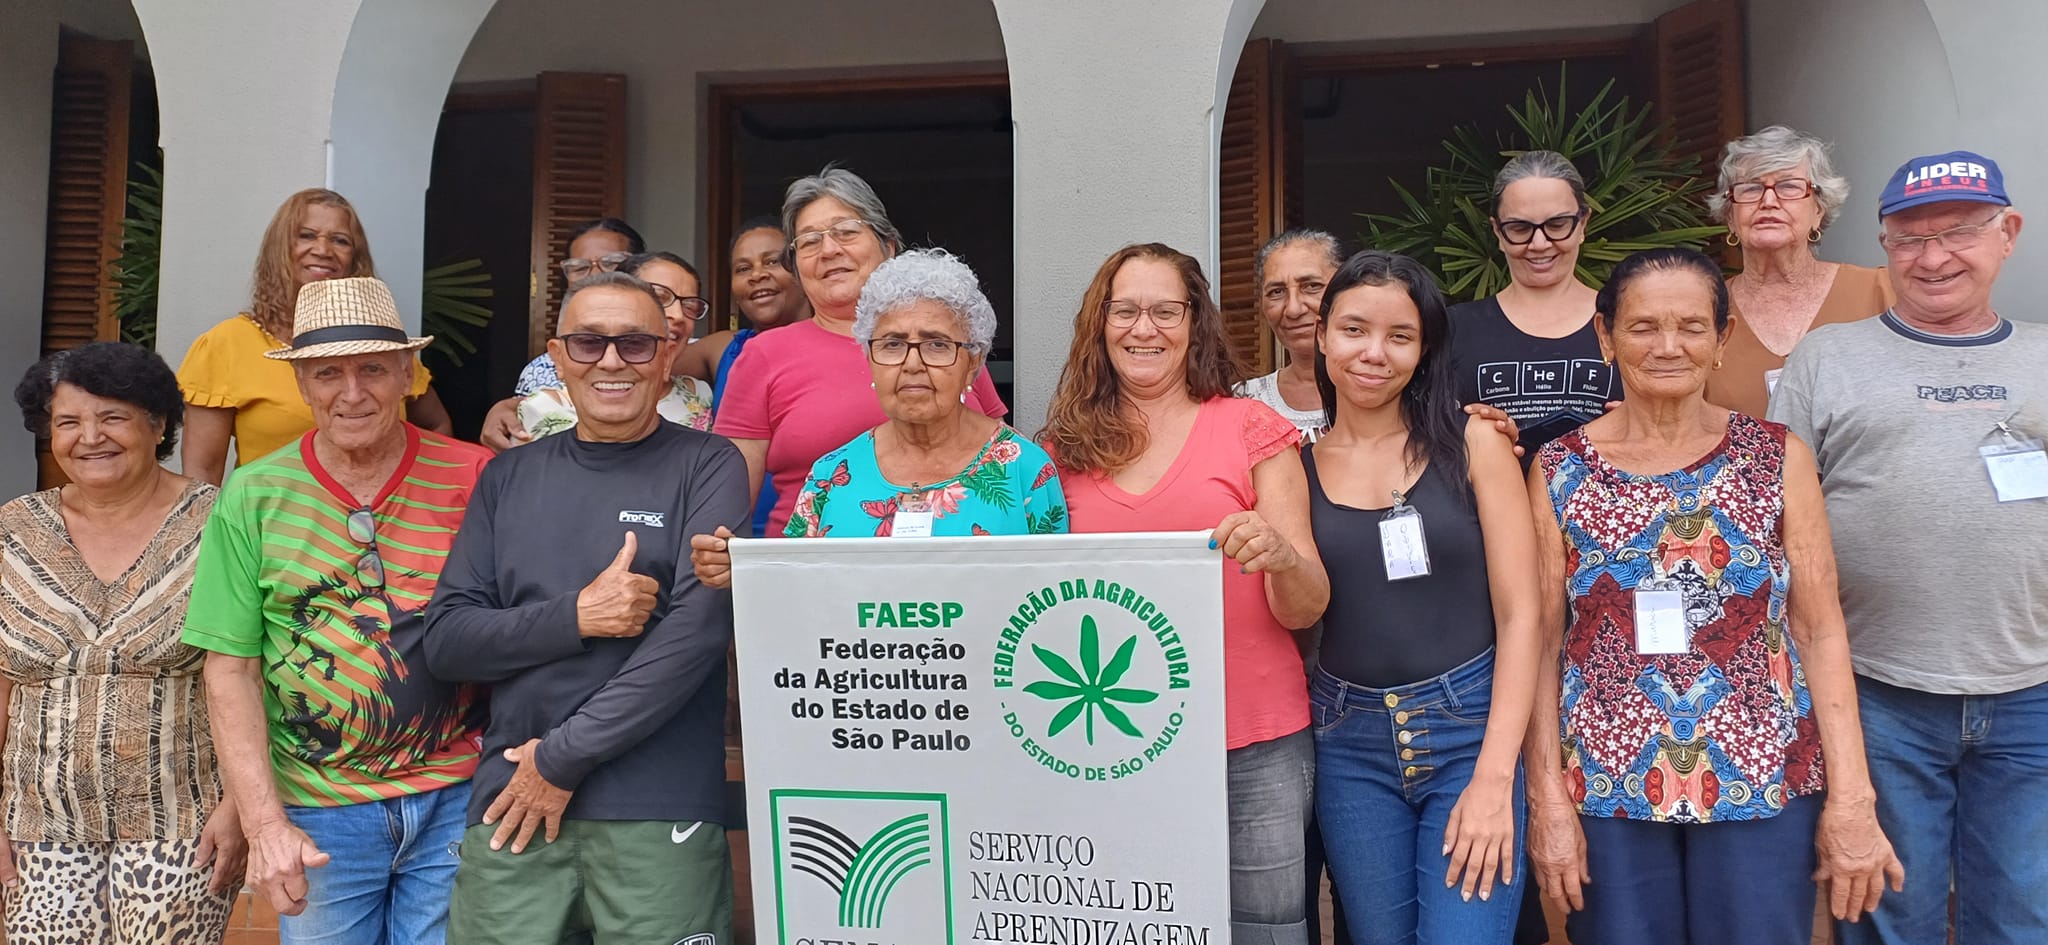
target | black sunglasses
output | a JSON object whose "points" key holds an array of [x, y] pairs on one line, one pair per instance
{"points": [[588, 347], [1523, 232], [362, 528]]}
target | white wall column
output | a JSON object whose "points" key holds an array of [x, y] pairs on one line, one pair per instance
{"points": [[1118, 109], [394, 77], [28, 61], [245, 92]]}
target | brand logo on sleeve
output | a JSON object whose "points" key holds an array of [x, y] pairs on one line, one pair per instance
{"points": [[649, 519]]}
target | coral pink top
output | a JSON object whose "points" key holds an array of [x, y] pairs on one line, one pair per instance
{"points": [[1265, 689], [807, 392]]}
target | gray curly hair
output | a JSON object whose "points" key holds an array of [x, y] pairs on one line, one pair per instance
{"points": [[1779, 148], [926, 275]]}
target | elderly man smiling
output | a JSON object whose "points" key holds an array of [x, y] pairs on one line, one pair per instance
{"points": [[340, 751], [600, 797], [1928, 423]]}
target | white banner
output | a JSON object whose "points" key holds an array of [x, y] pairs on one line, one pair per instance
{"points": [[990, 739]]}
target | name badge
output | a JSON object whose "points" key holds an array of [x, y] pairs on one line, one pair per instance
{"points": [[2018, 466], [1402, 545], [1660, 618], [1771, 381], [913, 516]]}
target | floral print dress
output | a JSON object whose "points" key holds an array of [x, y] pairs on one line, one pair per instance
{"points": [[1011, 488]]}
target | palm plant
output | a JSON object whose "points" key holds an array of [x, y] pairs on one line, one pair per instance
{"points": [[1642, 195], [451, 305], [135, 270]]}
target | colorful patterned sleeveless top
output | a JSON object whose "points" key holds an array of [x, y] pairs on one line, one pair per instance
{"points": [[1724, 731]]}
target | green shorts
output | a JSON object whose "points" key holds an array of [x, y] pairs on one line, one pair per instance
{"points": [[603, 881]]}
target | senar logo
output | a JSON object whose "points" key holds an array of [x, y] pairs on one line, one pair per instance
{"points": [[861, 875]]}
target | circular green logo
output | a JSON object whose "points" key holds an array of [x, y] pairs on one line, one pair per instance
{"points": [[1092, 679]]}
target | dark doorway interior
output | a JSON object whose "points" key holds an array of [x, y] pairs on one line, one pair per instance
{"points": [[480, 206], [1362, 127], [940, 160]]}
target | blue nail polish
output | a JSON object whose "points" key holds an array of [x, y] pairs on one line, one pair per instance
{"points": [[1212, 544]]}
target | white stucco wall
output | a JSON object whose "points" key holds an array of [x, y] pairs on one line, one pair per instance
{"points": [[28, 55], [667, 49], [1888, 80], [245, 124]]}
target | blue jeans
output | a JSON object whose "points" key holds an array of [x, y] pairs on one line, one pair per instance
{"points": [[1962, 793], [391, 871], [1269, 785], [1390, 765], [1737, 881]]}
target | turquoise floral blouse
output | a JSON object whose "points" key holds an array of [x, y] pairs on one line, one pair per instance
{"points": [[1011, 488]]}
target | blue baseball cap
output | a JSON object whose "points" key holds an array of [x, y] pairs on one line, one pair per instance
{"points": [[1957, 175]]}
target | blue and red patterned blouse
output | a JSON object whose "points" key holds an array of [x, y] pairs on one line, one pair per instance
{"points": [[1724, 731]]}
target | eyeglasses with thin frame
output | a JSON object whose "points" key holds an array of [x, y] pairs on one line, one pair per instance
{"points": [[362, 529], [1788, 190], [609, 262], [1955, 239], [693, 307], [932, 352], [1523, 232], [585, 347], [1123, 313], [843, 233]]}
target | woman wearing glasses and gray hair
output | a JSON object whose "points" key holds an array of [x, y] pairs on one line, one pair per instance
{"points": [[1530, 351], [1778, 193], [797, 393], [936, 466]]}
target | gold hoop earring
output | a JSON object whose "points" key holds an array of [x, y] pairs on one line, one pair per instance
{"points": [[1813, 235], [1734, 240]]}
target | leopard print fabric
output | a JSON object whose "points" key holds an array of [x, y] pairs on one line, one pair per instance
{"points": [[120, 893]]}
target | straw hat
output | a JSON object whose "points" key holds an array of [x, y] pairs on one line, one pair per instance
{"points": [[338, 317]]}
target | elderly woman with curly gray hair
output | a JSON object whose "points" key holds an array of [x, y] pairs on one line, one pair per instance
{"points": [[1778, 193], [936, 466]]}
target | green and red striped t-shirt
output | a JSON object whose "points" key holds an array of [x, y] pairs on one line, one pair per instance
{"points": [[354, 715]]}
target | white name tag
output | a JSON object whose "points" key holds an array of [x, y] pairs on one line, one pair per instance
{"points": [[1660, 620], [2018, 468], [1402, 544], [912, 522], [1771, 380]]}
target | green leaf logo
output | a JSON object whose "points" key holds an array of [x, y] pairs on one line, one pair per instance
{"points": [[1090, 689]]}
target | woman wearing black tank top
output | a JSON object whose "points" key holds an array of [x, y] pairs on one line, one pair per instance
{"points": [[1429, 648]]}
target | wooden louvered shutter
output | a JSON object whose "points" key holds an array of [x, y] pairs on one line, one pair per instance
{"points": [[88, 197], [88, 191], [579, 174], [1259, 189], [1697, 54]]}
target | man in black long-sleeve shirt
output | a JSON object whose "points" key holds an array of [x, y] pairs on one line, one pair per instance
{"points": [[570, 592]]}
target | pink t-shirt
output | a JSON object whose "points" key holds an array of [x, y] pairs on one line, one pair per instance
{"points": [[1265, 689], [806, 391]]}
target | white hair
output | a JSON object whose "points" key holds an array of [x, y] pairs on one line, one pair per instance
{"points": [[926, 275], [1779, 148]]}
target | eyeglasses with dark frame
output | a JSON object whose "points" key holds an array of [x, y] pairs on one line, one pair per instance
{"points": [[1523, 232], [693, 306], [585, 347], [811, 242], [1955, 239], [932, 352], [1789, 189], [1123, 313], [578, 268], [362, 529]]}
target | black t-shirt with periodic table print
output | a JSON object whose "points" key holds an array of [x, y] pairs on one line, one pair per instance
{"points": [[1549, 386]]}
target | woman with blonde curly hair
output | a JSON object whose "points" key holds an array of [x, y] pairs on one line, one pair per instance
{"points": [[232, 393]]}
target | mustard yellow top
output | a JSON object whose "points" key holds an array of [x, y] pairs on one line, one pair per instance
{"points": [[226, 368]]}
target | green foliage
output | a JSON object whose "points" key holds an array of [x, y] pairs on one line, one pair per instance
{"points": [[451, 305], [1642, 196], [135, 271]]}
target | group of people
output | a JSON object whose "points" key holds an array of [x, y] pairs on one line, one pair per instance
{"points": [[1666, 598]]}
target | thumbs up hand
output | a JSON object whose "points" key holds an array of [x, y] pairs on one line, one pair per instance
{"points": [[617, 602]]}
